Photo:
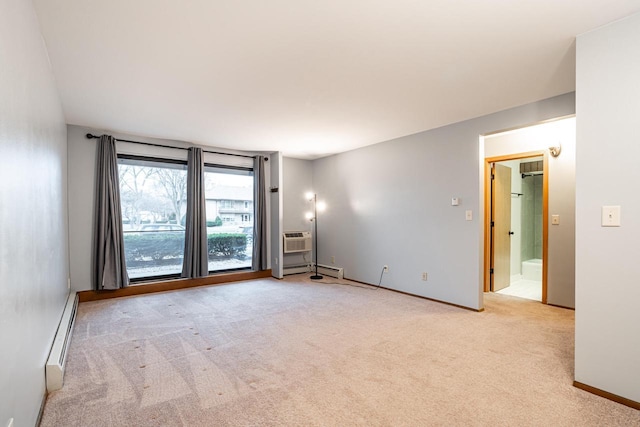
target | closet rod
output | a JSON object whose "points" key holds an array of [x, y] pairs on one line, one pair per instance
{"points": [[92, 136]]}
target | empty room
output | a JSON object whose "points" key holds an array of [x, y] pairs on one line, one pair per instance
{"points": [[319, 213]]}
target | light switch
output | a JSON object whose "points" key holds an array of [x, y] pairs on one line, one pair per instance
{"points": [[555, 219], [455, 201], [611, 216], [468, 215]]}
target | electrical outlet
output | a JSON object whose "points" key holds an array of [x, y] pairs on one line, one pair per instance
{"points": [[424, 276], [385, 268], [333, 260]]}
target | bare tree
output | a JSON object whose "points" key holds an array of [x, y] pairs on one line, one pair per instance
{"points": [[132, 182], [174, 184]]}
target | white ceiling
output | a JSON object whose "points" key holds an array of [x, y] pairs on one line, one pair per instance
{"points": [[308, 77]]}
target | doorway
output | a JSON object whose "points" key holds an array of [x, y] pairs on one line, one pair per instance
{"points": [[516, 195]]}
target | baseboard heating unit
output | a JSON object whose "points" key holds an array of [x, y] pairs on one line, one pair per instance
{"points": [[325, 270], [295, 269], [54, 370], [328, 270]]}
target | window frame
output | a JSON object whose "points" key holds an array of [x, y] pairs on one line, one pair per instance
{"points": [[159, 277], [165, 160], [238, 168]]}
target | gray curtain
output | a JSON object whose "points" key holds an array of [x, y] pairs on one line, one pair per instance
{"points": [[196, 257], [259, 257], [109, 269]]}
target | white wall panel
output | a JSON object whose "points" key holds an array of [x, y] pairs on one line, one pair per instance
{"points": [[34, 263], [607, 268]]}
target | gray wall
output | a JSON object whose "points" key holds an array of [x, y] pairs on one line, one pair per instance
{"points": [[81, 155], [607, 269], [390, 203], [33, 217], [561, 239], [297, 181]]}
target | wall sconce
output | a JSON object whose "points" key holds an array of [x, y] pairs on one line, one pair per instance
{"points": [[555, 151]]}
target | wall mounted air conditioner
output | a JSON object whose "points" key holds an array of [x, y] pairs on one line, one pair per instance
{"points": [[296, 241]]}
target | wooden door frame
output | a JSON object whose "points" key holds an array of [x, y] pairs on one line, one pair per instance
{"points": [[545, 213]]}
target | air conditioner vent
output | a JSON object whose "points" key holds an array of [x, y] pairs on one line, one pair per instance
{"points": [[294, 234], [531, 167], [297, 241]]}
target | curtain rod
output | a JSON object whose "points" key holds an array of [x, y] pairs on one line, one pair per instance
{"points": [[92, 136]]}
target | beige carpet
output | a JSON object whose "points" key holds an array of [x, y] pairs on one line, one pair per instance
{"points": [[304, 353]]}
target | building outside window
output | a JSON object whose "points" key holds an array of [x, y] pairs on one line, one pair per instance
{"points": [[229, 204], [154, 201]]}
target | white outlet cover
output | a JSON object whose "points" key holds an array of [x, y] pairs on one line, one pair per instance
{"points": [[555, 219], [468, 215], [611, 216], [455, 201]]}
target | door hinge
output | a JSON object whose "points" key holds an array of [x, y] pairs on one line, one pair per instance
{"points": [[493, 223], [491, 271]]}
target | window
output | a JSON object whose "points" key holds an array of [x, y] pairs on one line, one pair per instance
{"points": [[153, 197], [230, 238]]}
